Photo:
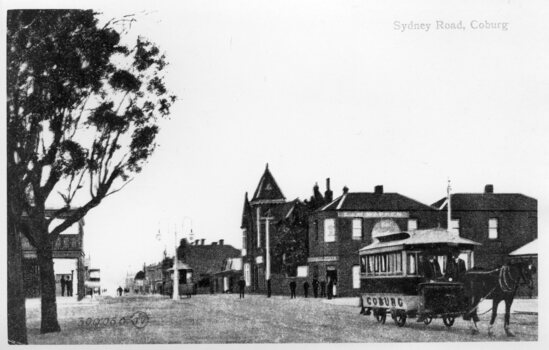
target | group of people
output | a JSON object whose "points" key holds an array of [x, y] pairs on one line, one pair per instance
{"points": [[455, 268], [66, 285], [328, 290]]}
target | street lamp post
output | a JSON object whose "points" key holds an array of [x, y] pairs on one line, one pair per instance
{"points": [[175, 269], [268, 218]]}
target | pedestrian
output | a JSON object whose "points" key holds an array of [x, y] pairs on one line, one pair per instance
{"points": [[119, 290], [241, 287], [323, 289], [63, 284], [315, 287], [334, 291], [306, 289], [69, 286], [292, 289], [330, 288], [269, 288]]}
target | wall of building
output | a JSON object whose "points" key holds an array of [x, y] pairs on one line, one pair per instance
{"points": [[515, 229]]}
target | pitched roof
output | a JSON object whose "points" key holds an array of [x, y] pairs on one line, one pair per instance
{"points": [[489, 201], [267, 189], [530, 248], [375, 201], [282, 210], [421, 237], [207, 259], [246, 212]]}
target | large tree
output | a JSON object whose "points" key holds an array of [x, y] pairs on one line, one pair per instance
{"points": [[83, 112]]}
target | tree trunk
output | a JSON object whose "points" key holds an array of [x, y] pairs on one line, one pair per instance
{"points": [[17, 322], [47, 288]]}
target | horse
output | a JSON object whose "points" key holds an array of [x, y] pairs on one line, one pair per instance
{"points": [[499, 284]]}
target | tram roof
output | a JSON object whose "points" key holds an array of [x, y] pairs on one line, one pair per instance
{"points": [[436, 236]]}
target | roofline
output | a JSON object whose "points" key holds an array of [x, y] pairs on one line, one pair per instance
{"points": [[344, 196]]}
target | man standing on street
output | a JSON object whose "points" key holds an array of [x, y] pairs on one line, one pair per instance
{"points": [[315, 287], [330, 288], [241, 287], [306, 289], [63, 286], [322, 289], [292, 289], [69, 287]]}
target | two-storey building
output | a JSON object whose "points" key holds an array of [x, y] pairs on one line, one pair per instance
{"points": [[260, 217], [339, 229], [68, 260], [502, 222]]}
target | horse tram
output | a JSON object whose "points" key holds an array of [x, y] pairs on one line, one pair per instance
{"points": [[186, 285], [415, 275]]}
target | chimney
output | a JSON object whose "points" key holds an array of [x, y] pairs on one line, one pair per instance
{"points": [[221, 241], [214, 243], [196, 242], [328, 195], [489, 189], [345, 189], [378, 189], [202, 241]]}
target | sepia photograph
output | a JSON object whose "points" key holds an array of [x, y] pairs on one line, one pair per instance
{"points": [[274, 172]]}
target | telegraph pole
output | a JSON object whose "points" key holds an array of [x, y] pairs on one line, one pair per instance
{"points": [[448, 190], [175, 268], [268, 218]]}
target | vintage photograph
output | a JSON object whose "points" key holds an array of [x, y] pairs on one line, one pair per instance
{"points": [[274, 172]]}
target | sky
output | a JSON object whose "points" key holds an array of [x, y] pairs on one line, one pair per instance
{"points": [[321, 89]]}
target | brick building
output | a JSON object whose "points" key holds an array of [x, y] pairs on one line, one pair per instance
{"points": [[502, 222], [339, 229], [205, 260], [260, 218], [68, 260]]}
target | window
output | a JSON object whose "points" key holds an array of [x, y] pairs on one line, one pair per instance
{"points": [[244, 242], [357, 228], [454, 226], [247, 277], [363, 263], [493, 228], [329, 230], [412, 224], [316, 230], [412, 261], [302, 271], [382, 264], [356, 277]]}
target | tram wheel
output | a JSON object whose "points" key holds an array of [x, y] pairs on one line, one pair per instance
{"points": [[448, 321], [427, 320], [400, 319], [380, 316]]}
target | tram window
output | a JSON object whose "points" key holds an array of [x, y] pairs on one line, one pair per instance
{"points": [[370, 264], [362, 264], [376, 263], [398, 262], [412, 261]]}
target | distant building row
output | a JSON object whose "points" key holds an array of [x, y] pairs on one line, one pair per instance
{"points": [[335, 229]]}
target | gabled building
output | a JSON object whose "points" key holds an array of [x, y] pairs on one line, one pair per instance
{"points": [[340, 228], [502, 222], [205, 260], [260, 217]]}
